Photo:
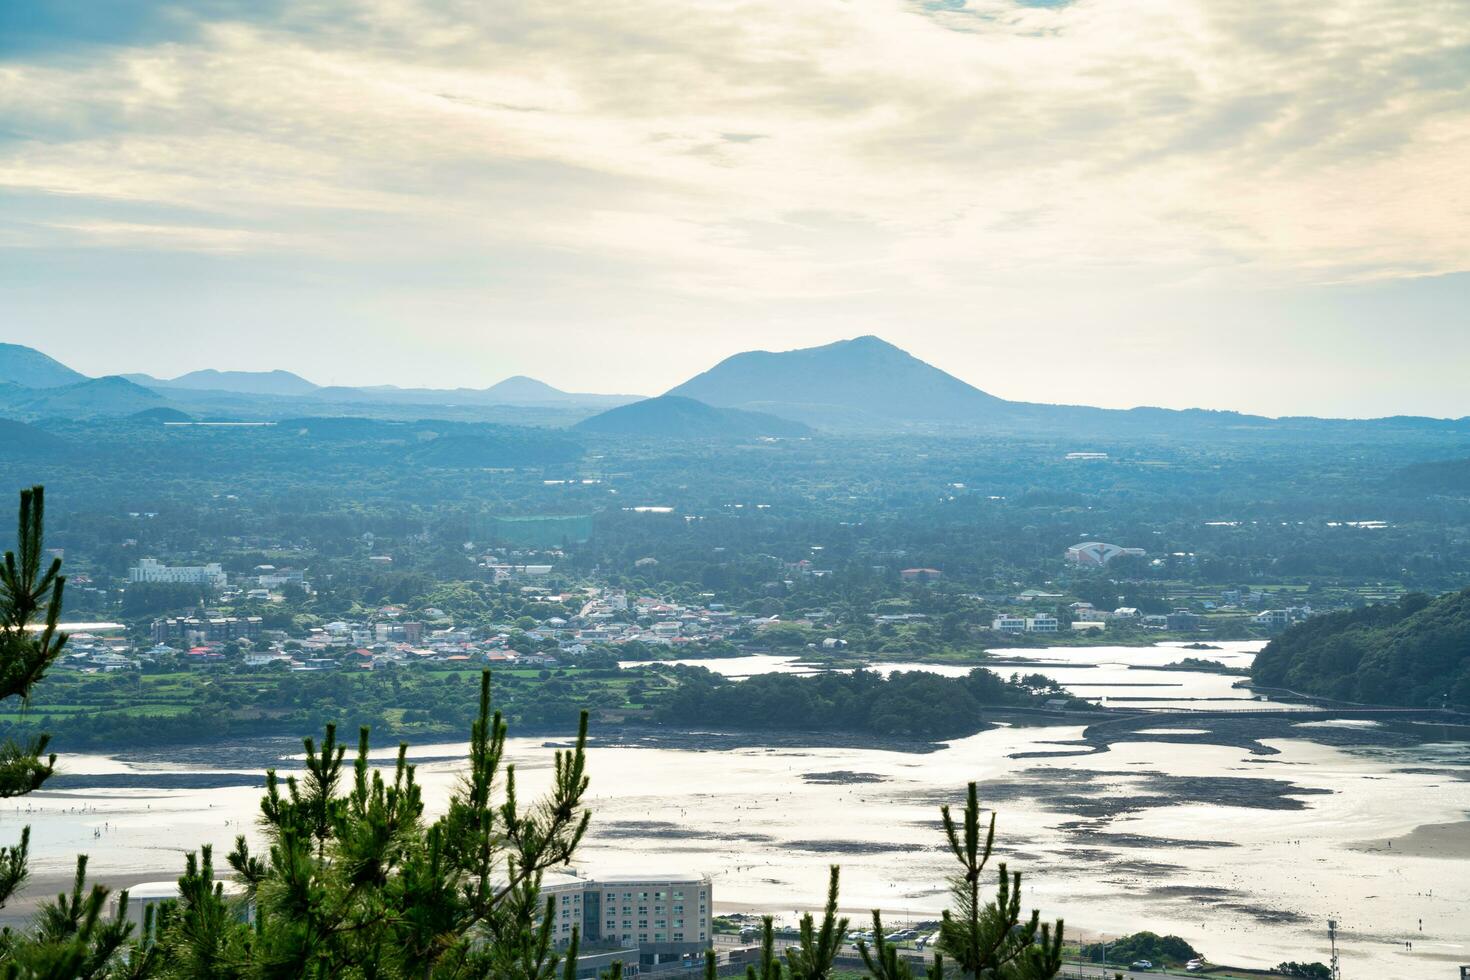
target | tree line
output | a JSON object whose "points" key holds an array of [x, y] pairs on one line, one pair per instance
{"points": [[907, 704]]}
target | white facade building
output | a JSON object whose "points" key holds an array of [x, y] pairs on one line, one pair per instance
{"points": [[1099, 553], [153, 570], [1008, 624]]}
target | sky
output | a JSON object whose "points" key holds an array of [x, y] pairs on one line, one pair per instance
{"points": [[1215, 203]]}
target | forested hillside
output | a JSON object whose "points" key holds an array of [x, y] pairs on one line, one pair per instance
{"points": [[1415, 652]]}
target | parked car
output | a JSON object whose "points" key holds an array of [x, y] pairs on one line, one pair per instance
{"points": [[1194, 966], [1141, 965]]}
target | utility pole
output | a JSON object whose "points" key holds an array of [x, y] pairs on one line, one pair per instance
{"points": [[1332, 935]]}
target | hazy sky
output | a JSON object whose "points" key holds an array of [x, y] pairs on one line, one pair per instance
{"points": [[1226, 203]]}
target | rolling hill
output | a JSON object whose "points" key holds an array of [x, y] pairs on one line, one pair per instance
{"points": [[244, 382], [517, 390], [29, 368], [675, 417], [86, 399]]}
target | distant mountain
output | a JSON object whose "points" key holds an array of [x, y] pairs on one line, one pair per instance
{"points": [[861, 379], [675, 417], [246, 382], [278, 392], [521, 390], [29, 368], [517, 390], [867, 384], [1412, 652], [85, 399]]}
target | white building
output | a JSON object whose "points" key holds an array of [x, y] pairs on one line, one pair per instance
{"points": [[1008, 624], [153, 570], [1280, 618], [1099, 553], [1041, 624]]}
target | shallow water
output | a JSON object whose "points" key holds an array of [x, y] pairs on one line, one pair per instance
{"points": [[1113, 841]]}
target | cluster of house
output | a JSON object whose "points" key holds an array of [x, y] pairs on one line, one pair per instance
{"points": [[1085, 616], [391, 638], [612, 617], [98, 648]]}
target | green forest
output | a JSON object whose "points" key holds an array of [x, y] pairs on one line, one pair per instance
{"points": [[1414, 652]]}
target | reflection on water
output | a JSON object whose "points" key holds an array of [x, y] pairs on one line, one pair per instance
{"points": [[1245, 855]]}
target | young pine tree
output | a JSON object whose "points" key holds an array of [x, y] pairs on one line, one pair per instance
{"points": [[30, 596], [356, 883], [988, 939]]}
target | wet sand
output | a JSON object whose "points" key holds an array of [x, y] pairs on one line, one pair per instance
{"points": [[1446, 841], [45, 887]]}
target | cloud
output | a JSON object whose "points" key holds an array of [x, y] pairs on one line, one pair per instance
{"points": [[762, 151]]}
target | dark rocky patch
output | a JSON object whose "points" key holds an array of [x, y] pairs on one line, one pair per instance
{"points": [[843, 777], [856, 847], [1262, 914], [663, 830], [1204, 893], [1105, 839]]}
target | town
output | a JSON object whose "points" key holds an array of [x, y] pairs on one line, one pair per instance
{"points": [[563, 621]]}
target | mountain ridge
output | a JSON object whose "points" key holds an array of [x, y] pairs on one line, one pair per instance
{"points": [[275, 382], [676, 417], [30, 368], [863, 384], [867, 384]]}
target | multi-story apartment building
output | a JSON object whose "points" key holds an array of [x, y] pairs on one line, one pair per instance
{"points": [[663, 916], [190, 630]]}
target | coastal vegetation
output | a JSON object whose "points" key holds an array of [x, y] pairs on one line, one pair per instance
{"points": [[1159, 950], [1414, 652], [426, 701], [134, 709], [912, 704]]}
